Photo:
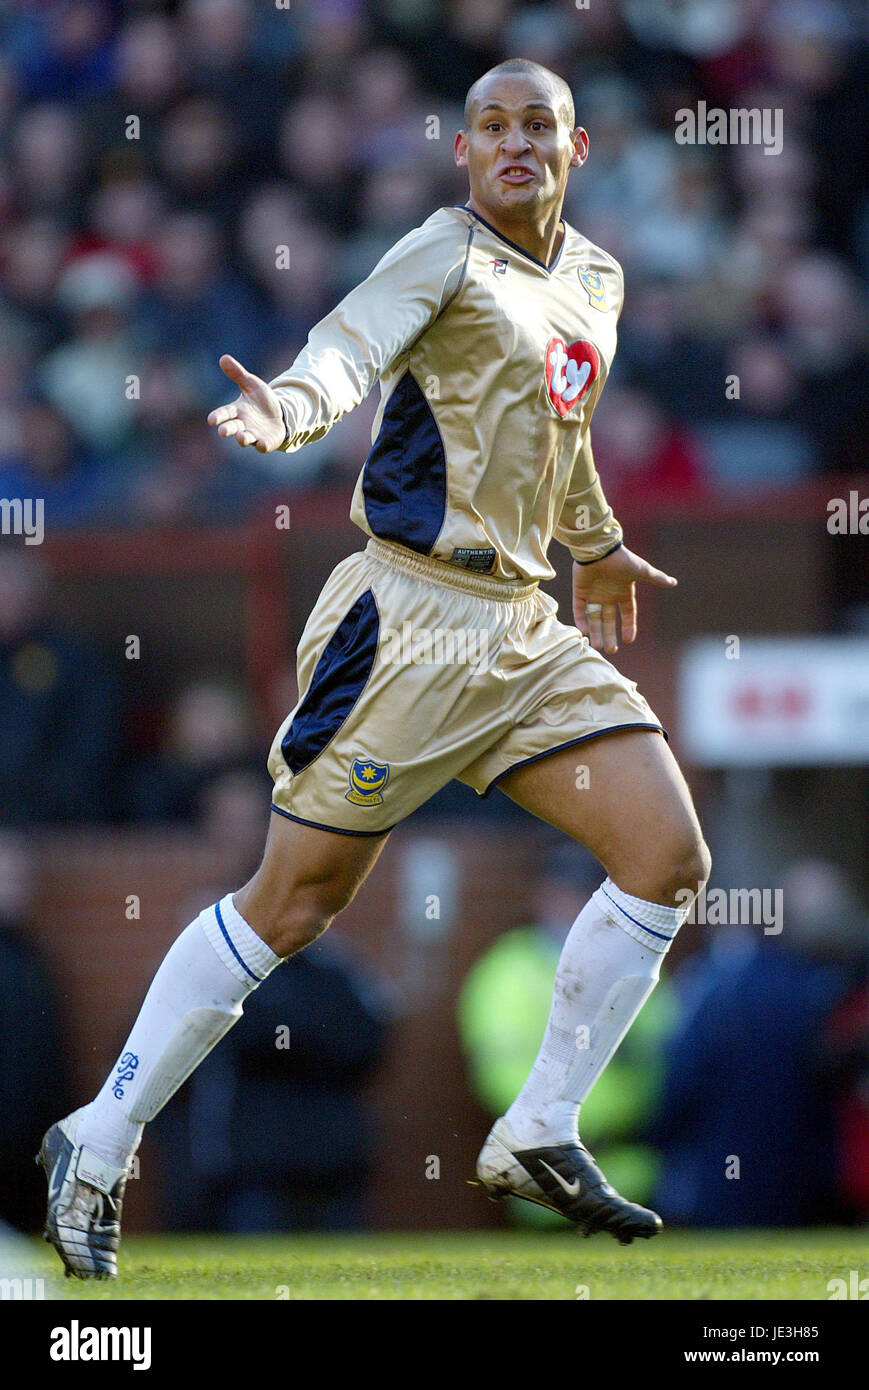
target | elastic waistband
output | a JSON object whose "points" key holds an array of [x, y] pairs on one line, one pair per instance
{"points": [[439, 572]]}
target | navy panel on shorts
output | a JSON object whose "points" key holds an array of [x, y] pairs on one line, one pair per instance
{"points": [[339, 678], [404, 481]]}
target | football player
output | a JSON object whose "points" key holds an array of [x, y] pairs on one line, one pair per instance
{"points": [[491, 329]]}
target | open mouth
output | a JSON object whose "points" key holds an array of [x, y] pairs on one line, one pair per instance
{"points": [[516, 173]]}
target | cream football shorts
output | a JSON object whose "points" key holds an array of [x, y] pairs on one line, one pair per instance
{"points": [[412, 672]]}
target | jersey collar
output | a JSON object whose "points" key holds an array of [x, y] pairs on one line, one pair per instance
{"points": [[521, 249]]}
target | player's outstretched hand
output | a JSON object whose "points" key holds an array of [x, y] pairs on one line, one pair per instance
{"points": [[256, 417], [604, 596]]}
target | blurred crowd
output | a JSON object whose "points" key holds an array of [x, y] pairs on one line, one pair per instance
{"points": [[157, 157], [182, 179]]}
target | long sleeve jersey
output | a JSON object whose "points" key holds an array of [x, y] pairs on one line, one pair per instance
{"points": [[490, 364]]}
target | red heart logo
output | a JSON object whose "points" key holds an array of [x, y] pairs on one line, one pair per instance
{"points": [[570, 372]]}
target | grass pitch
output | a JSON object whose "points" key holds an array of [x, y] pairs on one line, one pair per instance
{"points": [[683, 1265]]}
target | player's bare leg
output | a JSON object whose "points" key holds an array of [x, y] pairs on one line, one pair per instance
{"points": [[635, 813], [307, 876]]}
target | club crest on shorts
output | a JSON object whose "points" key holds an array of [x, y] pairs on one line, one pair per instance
{"points": [[367, 780], [592, 283], [570, 372]]}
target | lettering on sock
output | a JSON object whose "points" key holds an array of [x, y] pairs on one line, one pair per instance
{"points": [[125, 1071]]}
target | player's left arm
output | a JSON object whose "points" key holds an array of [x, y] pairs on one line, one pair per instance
{"points": [[605, 572], [609, 586]]}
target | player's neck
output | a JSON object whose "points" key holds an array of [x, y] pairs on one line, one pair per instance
{"points": [[541, 239]]}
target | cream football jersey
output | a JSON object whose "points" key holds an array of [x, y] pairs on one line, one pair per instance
{"points": [[490, 365]]}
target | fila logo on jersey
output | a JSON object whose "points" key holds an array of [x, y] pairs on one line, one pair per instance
{"points": [[498, 267], [570, 372]]}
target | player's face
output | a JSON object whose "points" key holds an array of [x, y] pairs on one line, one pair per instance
{"points": [[518, 148]]}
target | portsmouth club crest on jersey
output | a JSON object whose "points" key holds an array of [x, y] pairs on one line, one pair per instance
{"points": [[592, 283], [367, 780], [570, 372]]}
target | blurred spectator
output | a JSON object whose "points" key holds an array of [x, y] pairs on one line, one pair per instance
{"points": [[58, 707], [333, 34], [47, 461], [643, 454], [756, 441], [87, 377], [395, 198], [821, 310], [275, 219], [34, 250], [49, 160], [31, 1042], [219, 38], [209, 731], [314, 153], [65, 49], [188, 481], [198, 155], [149, 71], [664, 346], [233, 809], [125, 211], [751, 1074], [273, 1132], [192, 299]]}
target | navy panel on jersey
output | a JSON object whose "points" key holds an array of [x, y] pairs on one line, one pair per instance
{"points": [[339, 678], [404, 481]]}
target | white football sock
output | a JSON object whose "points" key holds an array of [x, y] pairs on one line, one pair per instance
{"points": [[195, 997], [609, 966]]}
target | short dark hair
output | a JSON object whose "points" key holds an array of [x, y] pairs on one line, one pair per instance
{"points": [[530, 69]]}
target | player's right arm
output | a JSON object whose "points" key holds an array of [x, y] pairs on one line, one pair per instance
{"points": [[351, 347]]}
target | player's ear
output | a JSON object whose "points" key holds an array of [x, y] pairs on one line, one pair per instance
{"points": [[461, 148], [579, 139]]}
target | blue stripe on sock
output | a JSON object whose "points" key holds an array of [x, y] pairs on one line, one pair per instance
{"points": [[229, 942], [661, 935]]}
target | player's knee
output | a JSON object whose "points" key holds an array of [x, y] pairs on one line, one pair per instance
{"points": [[306, 915], [291, 919], [689, 863]]}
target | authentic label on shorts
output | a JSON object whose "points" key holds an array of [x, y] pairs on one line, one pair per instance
{"points": [[479, 560]]}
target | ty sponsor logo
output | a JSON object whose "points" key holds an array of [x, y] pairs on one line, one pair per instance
{"points": [[570, 371]]}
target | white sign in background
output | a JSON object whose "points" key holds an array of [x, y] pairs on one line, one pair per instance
{"points": [[798, 701]]}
